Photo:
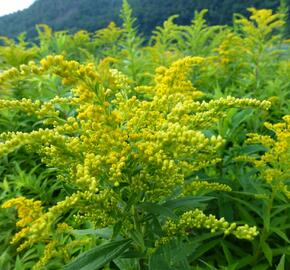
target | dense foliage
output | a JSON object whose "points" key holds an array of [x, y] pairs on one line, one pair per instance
{"points": [[91, 15], [124, 156]]}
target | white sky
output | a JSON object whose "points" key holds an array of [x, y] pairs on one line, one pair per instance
{"points": [[9, 6]]}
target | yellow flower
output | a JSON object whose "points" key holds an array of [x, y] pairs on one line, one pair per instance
{"points": [[274, 163]]}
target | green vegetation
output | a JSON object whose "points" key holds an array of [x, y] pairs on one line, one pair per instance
{"points": [[121, 154], [91, 15]]}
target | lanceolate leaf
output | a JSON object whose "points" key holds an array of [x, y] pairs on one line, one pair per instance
{"points": [[104, 232], [157, 209], [281, 265], [99, 256], [267, 251], [187, 202]]}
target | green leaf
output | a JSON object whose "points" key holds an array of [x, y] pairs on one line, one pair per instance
{"points": [[197, 239], [99, 256], [127, 264], [132, 254], [227, 253], [226, 209], [267, 251], [235, 249], [187, 202], [204, 248], [253, 148], [116, 229], [248, 205], [281, 250], [138, 238], [261, 267], [157, 228], [279, 221], [104, 233], [245, 215], [158, 263], [281, 265], [239, 118], [245, 261], [157, 209], [209, 267], [279, 208], [230, 267], [171, 256], [281, 234], [18, 264], [266, 216]]}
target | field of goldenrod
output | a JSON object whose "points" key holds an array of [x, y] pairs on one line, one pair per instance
{"points": [[122, 153]]}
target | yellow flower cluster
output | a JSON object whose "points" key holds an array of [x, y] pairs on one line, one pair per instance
{"points": [[39, 225], [245, 54], [261, 23], [54, 249], [49, 253], [28, 212], [195, 187], [24, 104], [70, 71], [196, 219], [15, 140], [230, 48], [13, 53], [117, 148], [266, 20], [175, 78], [120, 80], [274, 164]]}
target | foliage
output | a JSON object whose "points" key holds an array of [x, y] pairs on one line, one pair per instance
{"points": [[120, 154], [14, 54], [91, 15]]}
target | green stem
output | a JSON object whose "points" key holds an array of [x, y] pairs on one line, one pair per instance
{"points": [[266, 227]]}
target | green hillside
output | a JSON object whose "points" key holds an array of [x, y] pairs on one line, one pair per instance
{"points": [[94, 14]]}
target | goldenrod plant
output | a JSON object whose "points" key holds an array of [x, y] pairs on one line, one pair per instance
{"points": [[274, 164], [119, 153], [126, 155], [14, 54]]}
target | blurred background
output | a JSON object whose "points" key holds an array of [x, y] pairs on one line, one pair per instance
{"points": [[18, 16]]}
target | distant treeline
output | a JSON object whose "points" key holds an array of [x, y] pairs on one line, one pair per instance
{"points": [[91, 15]]}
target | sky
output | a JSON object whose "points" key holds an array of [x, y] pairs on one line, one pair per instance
{"points": [[9, 6]]}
